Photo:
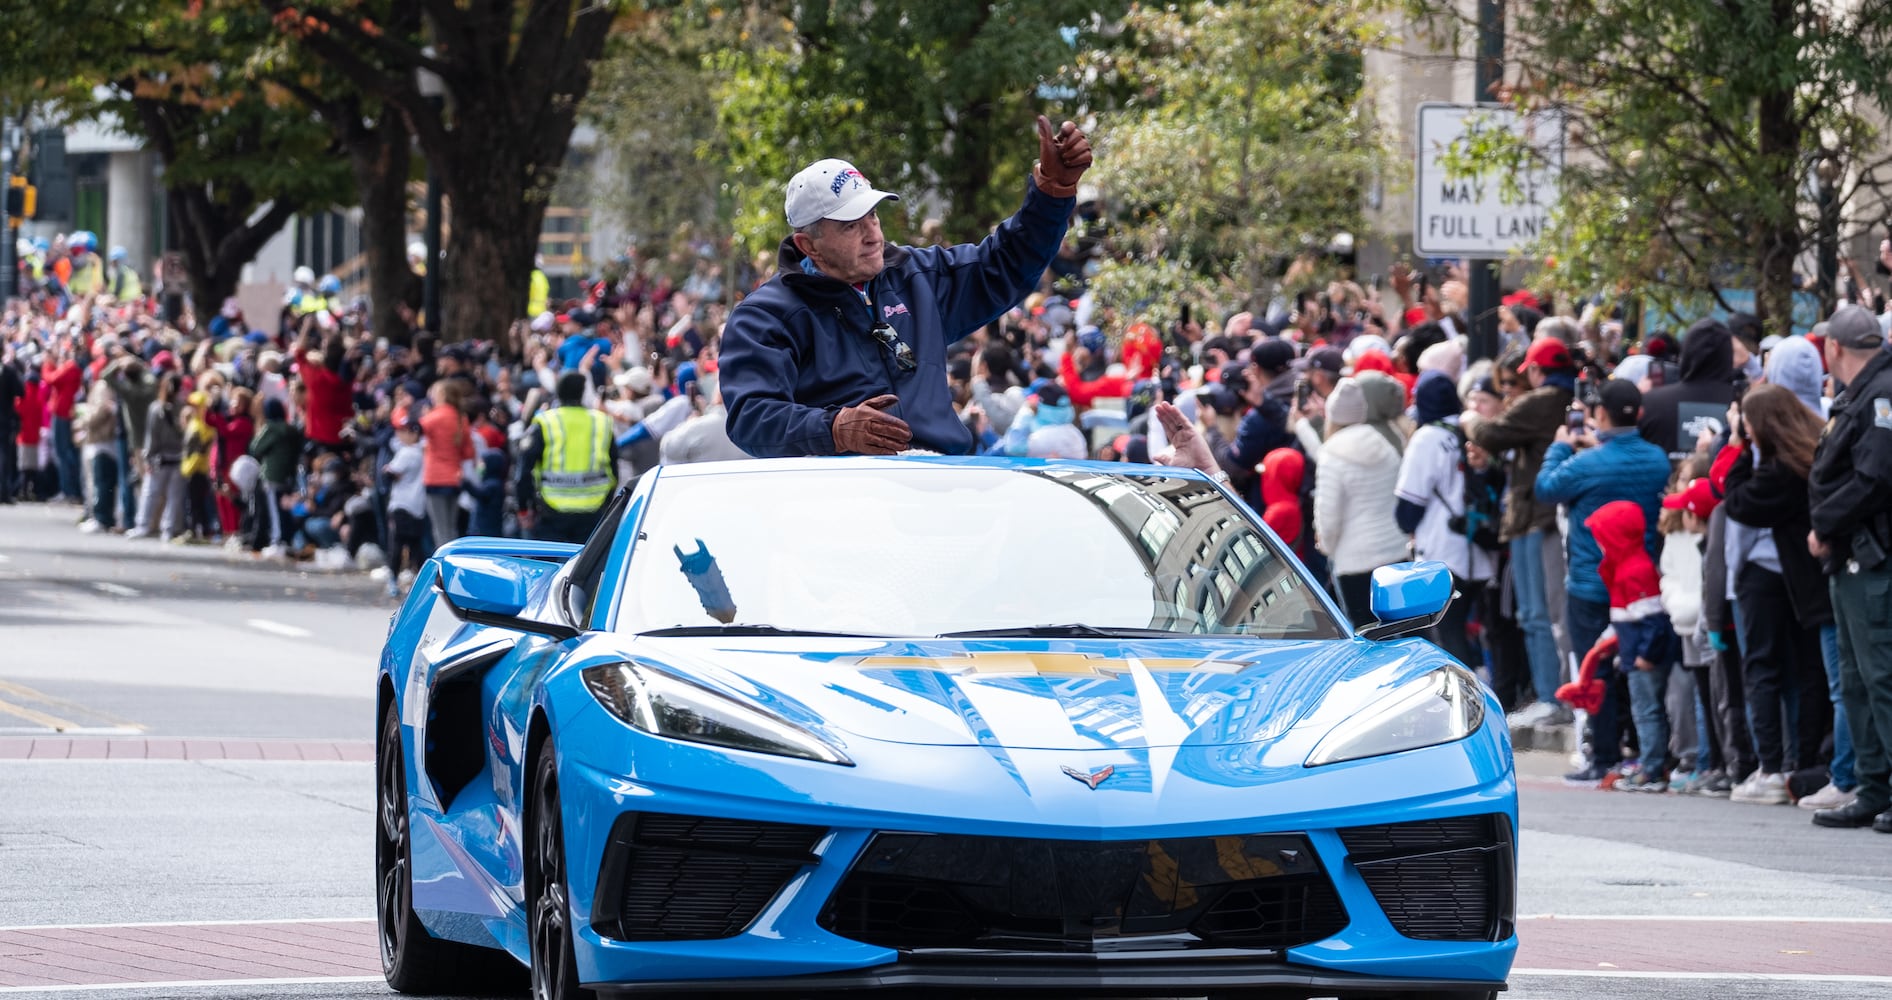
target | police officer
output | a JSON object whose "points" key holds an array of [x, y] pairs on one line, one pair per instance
{"points": [[122, 279], [1851, 492], [566, 466]]}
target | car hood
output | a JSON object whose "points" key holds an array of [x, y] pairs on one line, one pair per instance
{"points": [[1037, 694]]}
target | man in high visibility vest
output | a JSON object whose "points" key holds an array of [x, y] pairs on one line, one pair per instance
{"points": [[539, 287], [88, 271], [567, 466], [121, 278]]}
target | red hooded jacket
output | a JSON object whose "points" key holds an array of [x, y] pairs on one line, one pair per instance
{"points": [[31, 406], [1628, 572], [1282, 472], [1083, 393]]}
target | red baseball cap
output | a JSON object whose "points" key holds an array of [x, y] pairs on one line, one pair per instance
{"points": [[1698, 498], [1547, 353]]}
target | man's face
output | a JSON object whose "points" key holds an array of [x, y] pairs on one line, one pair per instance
{"points": [[1321, 381], [1741, 353], [1534, 376], [849, 251]]}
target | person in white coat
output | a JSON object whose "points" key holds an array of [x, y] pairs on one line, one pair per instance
{"points": [[1353, 497]]}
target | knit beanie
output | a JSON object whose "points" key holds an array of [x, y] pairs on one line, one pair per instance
{"points": [[1346, 405]]}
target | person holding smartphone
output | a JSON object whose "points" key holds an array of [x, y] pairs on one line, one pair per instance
{"points": [[1615, 463]]}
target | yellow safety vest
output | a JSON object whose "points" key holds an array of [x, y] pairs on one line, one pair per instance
{"points": [[310, 303], [86, 274], [36, 266], [574, 469], [538, 293], [125, 284]]}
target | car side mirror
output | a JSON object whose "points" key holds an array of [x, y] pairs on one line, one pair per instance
{"points": [[1407, 598], [490, 590]]}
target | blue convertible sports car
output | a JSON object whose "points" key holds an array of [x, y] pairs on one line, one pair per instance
{"points": [[801, 727]]}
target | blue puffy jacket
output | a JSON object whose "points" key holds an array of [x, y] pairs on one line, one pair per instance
{"points": [[798, 349], [1622, 467]]}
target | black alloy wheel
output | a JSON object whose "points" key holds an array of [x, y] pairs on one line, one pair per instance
{"points": [[548, 898], [412, 960]]}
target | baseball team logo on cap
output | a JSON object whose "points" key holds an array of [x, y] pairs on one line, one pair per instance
{"points": [[831, 189]]}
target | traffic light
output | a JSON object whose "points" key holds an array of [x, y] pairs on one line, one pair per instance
{"points": [[22, 201]]}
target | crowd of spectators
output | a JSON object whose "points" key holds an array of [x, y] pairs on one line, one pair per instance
{"points": [[1626, 516]]}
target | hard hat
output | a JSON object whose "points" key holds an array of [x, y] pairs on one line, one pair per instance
{"points": [[331, 285], [305, 275], [22, 246], [120, 253], [40, 244]]}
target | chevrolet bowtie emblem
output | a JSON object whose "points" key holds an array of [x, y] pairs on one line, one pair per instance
{"points": [[1092, 778]]}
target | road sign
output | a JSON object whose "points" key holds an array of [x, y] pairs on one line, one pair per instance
{"points": [[1475, 216]]}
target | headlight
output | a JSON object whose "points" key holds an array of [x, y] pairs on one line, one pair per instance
{"points": [[663, 705], [1444, 705]]}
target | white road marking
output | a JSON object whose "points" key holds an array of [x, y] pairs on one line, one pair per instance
{"points": [[278, 628], [73, 731], [192, 923], [1779, 977], [115, 589], [192, 983], [4, 558]]}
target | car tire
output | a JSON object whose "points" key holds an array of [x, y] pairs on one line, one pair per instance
{"points": [[412, 960], [549, 931]]}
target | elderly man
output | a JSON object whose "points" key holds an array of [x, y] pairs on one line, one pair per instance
{"points": [[844, 350]]}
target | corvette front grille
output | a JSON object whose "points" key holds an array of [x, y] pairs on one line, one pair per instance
{"points": [[670, 877], [923, 891], [1440, 880]]}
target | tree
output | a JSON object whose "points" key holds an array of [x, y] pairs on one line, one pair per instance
{"points": [[654, 105], [514, 75], [1246, 141], [1713, 142], [237, 166], [936, 100]]}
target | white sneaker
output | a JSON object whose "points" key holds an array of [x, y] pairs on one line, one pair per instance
{"points": [[378, 574], [274, 552], [90, 526], [1763, 789], [1530, 715], [407, 578], [138, 533], [1829, 797]]}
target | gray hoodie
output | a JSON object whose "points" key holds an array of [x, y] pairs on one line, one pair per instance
{"points": [[1794, 365]]}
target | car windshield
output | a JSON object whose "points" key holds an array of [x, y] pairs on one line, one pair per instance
{"points": [[929, 550]]}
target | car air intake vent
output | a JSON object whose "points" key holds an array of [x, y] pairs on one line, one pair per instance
{"points": [[921, 891], [668, 877], [1440, 880]]}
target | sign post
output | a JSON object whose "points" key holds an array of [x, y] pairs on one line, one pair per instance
{"points": [[1481, 217]]}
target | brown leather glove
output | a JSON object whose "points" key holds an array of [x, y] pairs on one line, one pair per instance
{"points": [[1063, 157], [865, 430]]}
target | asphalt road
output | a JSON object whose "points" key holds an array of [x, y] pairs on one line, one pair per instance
{"points": [[133, 642]]}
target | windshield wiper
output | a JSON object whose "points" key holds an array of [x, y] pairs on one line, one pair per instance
{"points": [[1073, 630], [686, 630]]}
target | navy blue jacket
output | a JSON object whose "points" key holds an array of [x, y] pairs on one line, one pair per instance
{"points": [[1622, 467], [798, 349]]}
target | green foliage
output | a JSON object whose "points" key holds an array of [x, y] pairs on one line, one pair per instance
{"points": [[934, 100], [1246, 142], [1699, 129]]}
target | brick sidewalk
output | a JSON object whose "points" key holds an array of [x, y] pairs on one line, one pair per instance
{"points": [[175, 953], [1825, 948], [96, 956], [143, 748]]}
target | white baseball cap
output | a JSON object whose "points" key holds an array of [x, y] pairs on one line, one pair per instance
{"points": [[831, 189]]}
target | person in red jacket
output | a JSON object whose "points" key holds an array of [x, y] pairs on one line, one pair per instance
{"points": [[230, 417], [1646, 641], [1282, 473], [1142, 351], [31, 409], [1080, 352], [60, 374], [331, 393]]}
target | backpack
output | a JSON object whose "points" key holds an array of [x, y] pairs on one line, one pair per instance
{"points": [[1480, 507]]}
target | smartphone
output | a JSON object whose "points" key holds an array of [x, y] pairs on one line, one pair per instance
{"points": [[1658, 375], [1185, 314], [1301, 389], [1575, 420]]}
